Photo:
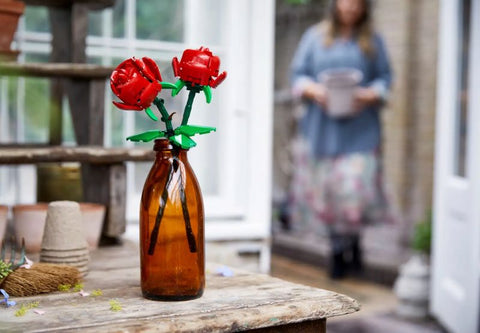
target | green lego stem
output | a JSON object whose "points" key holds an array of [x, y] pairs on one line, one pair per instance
{"points": [[165, 116], [188, 106]]}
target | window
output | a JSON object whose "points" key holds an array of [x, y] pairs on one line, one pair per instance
{"points": [[226, 162]]}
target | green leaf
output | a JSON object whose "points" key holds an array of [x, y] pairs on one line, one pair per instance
{"points": [[146, 136], [191, 130], [182, 141], [150, 113], [208, 93], [178, 86], [168, 85]]}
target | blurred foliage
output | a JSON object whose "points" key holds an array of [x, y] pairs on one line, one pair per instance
{"points": [[422, 236]]}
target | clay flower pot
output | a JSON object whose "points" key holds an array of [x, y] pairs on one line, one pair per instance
{"points": [[3, 221], [28, 223], [92, 217], [10, 12]]}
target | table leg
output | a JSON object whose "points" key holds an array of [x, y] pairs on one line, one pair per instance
{"points": [[312, 326]]}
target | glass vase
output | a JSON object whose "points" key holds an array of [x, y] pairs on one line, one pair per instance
{"points": [[171, 228]]}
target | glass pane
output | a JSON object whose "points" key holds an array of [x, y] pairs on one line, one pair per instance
{"points": [[37, 103], [462, 92], [118, 139], [36, 19], [211, 22], [36, 109], [160, 20], [119, 19], [95, 23]]}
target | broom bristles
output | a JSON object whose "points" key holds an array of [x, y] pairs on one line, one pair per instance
{"points": [[40, 278]]}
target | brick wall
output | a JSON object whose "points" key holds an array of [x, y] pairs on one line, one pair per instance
{"points": [[410, 32]]}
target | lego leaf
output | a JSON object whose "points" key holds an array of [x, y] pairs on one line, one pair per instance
{"points": [[150, 114], [191, 130], [178, 86], [208, 93], [182, 141], [146, 136], [168, 85]]}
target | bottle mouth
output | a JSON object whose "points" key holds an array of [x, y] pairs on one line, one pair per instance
{"points": [[162, 144]]}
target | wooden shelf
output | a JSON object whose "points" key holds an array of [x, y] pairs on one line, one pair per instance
{"points": [[56, 70], [16, 154]]}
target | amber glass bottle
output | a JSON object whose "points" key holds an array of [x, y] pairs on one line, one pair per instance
{"points": [[171, 228]]}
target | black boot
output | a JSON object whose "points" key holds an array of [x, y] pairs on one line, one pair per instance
{"points": [[337, 266], [357, 260]]}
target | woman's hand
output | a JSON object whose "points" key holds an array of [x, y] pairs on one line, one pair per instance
{"points": [[317, 93], [363, 97]]}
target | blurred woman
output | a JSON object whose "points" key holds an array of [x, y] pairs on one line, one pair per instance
{"points": [[338, 173]]}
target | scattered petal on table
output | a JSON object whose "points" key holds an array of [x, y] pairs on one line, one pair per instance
{"points": [[84, 293], [28, 264], [224, 271]]}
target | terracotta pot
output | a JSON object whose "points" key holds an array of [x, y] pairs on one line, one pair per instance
{"points": [[29, 223], [92, 216], [10, 12], [3, 221]]}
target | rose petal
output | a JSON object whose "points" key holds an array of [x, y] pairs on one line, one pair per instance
{"points": [[40, 312]]}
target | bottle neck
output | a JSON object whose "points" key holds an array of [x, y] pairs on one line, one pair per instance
{"points": [[165, 149]]}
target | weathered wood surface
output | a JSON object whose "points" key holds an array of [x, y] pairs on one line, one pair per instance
{"points": [[243, 302], [90, 154], [56, 70]]}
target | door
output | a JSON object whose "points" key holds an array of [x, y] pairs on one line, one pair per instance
{"points": [[456, 237]]}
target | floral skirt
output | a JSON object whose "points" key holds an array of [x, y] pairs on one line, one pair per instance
{"points": [[343, 193]]}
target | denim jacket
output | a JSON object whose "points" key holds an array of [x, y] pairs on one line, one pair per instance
{"points": [[329, 136]]}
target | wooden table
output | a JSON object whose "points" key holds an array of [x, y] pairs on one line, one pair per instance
{"points": [[243, 302]]}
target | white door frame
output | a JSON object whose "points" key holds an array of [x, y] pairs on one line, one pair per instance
{"points": [[455, 290]]}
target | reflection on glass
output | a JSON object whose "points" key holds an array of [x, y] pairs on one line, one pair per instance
{"points": [[160, 20], [462, 90]]}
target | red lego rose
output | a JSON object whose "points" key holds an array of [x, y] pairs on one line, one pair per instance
{"points": [[199, 67], [136, 82]]}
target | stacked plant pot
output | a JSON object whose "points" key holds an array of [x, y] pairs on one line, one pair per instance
{"points": [[64, 239]]}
